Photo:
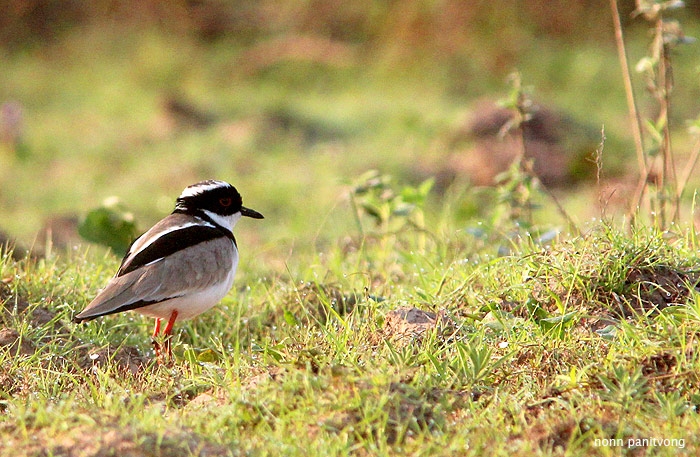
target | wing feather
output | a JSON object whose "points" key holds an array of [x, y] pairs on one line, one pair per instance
{"points": [[174, 233], [179, 274]]}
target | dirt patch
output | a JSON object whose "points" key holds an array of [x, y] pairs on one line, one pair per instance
{"points": [[13, 305], [124, 359], [658, 364], [12, 341], [59, 232], [639, 292], [665, 372], [9, 246], [409, 325], [662, 287], [644, 292], [484, 147], [114, 439], [208, 399], [270, 374], [557, 435], [648, 290], [546, 363], [409, 410], [317, 302]]}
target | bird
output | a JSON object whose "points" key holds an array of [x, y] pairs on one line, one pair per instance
{"points": [[182, 266]]}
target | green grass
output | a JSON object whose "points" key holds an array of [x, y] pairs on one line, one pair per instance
{"points": [[278, 368], [543, 347]]}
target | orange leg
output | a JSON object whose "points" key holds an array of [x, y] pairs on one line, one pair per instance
{"points": [[157, 329], [169, 328], [156, 345], [168, 333]]}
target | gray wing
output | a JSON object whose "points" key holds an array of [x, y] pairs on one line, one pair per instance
{"points": [[184, 272]]}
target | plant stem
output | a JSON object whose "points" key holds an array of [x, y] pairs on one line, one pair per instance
{"points": [[689, 167], [632, 108], [666, 86]]}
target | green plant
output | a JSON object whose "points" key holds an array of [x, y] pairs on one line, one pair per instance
{"points": [[110, 225], [672, 404], [393, 210], [473, 362], [373, 194], [656, 158], [518, 185], [624, 387]]}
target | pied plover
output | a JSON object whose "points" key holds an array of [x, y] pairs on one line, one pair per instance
{"points": [[183, 265]]}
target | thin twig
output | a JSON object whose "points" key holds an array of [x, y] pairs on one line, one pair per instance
{"points": [[632, 108], [629, 89], [666, 84], [599, 157], [528, 168], [689, 166]]}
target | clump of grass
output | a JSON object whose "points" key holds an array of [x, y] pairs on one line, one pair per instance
{"points": [[519, 368]]}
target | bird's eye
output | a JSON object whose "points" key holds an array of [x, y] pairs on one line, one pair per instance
{"points": [[225, 202]]}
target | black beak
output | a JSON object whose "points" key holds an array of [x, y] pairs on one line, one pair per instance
{"points": [[251, 213]]}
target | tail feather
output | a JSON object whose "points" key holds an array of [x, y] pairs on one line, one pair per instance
{"points": [[80, 320]]}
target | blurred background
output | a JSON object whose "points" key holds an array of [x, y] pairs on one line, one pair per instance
{"points": [[292, 101]]}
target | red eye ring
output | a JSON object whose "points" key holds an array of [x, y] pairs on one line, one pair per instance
{"points": [[225, 202]]}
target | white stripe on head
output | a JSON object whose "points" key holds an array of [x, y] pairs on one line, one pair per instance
{"points": [[226, 222], [199, 188]]}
